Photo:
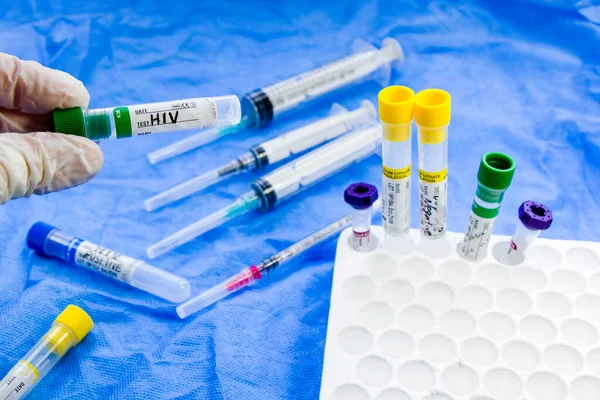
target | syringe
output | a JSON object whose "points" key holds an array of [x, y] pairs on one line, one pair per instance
{"points": [[282, 183], [148, 119], [261, 106], [272, 151], [249, 276]]}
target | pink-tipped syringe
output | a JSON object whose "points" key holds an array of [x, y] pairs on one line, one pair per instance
{"points": [[249, 276]]}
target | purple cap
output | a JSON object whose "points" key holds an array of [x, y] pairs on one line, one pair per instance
{"points": [[361, 195], [535, 215]]}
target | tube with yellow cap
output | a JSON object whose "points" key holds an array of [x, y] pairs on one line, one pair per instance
{"points": [[432, 115], [396, 111], [67, 330]]}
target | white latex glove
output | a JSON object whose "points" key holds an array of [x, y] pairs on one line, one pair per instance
{"points": [[40, 162]]}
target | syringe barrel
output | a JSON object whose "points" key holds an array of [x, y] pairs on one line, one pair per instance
{"points": [[340, 122], [493, 179], [396, 111], [432, 114], [263, 105], [147, 119], [317, 165], [69, 328], [51, 241]]}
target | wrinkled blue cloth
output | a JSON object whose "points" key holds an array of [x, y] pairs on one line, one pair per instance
{"points": [[524, 79]]}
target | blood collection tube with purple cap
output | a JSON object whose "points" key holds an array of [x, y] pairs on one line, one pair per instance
{"points": [[535, 218], [361, 197]]}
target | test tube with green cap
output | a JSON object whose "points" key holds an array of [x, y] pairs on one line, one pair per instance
{"points": [[148, 119], [494, 177]]}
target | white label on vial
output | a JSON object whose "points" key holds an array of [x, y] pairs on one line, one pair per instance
{"points": [[147, 119], [361, 241], [475, 243], [18, 381], [395, 203], [432, 202], [106, 261]]}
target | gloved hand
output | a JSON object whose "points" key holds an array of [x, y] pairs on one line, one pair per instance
{"points": [[40, 162]]}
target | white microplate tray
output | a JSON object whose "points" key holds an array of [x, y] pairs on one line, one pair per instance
{"points": [[415, 327]]}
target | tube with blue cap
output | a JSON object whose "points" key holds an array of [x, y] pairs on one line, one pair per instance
{"points": [[52, 242]]}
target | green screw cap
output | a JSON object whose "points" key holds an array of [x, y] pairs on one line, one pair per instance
{"points": [[496, 171], [69, 121]]}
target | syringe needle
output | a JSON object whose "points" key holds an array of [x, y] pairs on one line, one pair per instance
{"points": [[245, 277], [243, 163], [185, 189], [183, 146], [243, 204], [192, 142]]}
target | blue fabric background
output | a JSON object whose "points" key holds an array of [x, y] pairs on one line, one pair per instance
{"points": [[524, 79]]}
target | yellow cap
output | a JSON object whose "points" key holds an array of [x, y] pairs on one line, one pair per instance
{"points": [[432, 113], [396, 105], [76, 320], [396, 111], [432, 108]]}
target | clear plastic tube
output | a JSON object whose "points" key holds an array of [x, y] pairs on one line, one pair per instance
{"points": [[519, 243], [282, 183], [534, 218], [148, 119], [432, 111], [361, 229], [361, 197], [69, 328], [396, 105], [272, 151], [52, 242], [261, 106]]}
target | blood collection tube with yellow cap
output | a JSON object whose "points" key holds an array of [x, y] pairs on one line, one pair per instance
{"points": [[432, 115], [67, 330], [396, 111]]}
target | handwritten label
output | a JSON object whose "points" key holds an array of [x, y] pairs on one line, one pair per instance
{"points": [[475, 243], [433, 202]]}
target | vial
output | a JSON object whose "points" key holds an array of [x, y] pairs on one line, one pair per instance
{"points": [[361, 196]]}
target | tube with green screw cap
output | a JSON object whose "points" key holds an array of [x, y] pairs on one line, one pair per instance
{"points": [[494, 177], [147, 119]]}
